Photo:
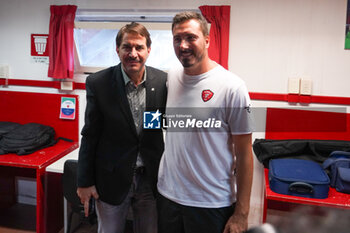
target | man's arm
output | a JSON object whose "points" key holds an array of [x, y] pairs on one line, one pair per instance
{"points": [[238, 222], [86, 163]]}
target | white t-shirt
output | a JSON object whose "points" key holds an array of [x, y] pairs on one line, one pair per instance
{"points": [[197, 165]]}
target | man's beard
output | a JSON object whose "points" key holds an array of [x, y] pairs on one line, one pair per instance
{"points": [[191, 61], [186, 63]]}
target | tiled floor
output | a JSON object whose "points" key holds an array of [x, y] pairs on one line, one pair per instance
{"points": [[12, 230], [84, 228]]}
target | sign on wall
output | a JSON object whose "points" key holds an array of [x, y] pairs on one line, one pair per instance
{"points": [[39, 48], [67, 108]]}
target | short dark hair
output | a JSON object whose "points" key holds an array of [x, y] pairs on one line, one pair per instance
{"points": [[188, 15], [135, 28]]}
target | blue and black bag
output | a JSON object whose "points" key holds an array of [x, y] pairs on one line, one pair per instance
{"points": [[338, 165]]}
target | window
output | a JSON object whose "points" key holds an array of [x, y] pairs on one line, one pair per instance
{"points": [[95, 34]]}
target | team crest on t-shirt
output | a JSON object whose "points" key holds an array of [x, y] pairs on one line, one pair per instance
{"points": [[207, 95]]}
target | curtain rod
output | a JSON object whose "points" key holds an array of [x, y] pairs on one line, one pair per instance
{"points": [[82, 10]]}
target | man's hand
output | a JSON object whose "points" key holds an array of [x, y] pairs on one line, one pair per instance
{"points": [[85, 195], [236, 224]]}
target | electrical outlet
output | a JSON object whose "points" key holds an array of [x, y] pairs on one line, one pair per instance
{"points": [[305, 86], [67, 85], [293, 85]]}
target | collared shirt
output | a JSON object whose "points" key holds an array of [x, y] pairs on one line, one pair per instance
{"points": [[137, 100]]}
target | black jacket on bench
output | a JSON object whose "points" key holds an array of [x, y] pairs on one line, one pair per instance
{"points": [[314, 150]]}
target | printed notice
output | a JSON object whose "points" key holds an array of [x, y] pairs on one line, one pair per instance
{"points": [[67, 108]]}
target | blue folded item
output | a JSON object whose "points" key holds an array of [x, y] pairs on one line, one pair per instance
{"points": [[298, 177], [338, 164], [342, 184]]}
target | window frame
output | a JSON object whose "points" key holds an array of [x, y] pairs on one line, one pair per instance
{"points": [[81, 69], [152, 19]]}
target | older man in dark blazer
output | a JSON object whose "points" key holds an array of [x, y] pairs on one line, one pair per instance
{"points": [[118, 159]]}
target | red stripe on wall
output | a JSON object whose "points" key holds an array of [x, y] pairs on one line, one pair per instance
{"points": [[38, 83], [293, 98], [266, 96]]}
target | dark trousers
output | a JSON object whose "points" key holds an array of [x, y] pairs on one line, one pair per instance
{"points": [[176, 218]]}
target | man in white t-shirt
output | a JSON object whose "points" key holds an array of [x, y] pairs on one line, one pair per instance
{"points": [[205, 174]]}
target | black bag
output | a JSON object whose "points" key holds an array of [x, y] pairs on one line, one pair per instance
{"points": [[314, 150], [28, 138], [6, 126]]}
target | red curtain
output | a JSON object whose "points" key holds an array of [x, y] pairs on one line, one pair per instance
{"points": [[219, 18], [61, 41]]}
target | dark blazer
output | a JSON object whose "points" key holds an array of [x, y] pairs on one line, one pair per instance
{"points": [[110, 143]]}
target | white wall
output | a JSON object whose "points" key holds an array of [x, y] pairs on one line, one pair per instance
{"points": [[20, 18], [270, 41]]}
